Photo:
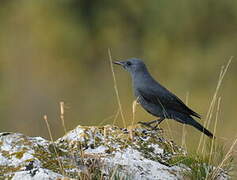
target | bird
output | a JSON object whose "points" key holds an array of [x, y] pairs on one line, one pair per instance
{"points": [[158, 100]]}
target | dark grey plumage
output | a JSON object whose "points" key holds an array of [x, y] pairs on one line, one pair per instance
{"points": [[156, 99]]}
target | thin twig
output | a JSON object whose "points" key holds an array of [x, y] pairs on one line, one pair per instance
{"points": [[116, 88], [214, 132], [211, 107], [116, 116], [62, 116], [215, 125], [222, 74], [51, 138], [184, 132], [134, 105]]}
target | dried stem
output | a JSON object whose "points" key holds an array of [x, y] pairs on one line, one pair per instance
{"points": [[116, 88], [51, 138]]}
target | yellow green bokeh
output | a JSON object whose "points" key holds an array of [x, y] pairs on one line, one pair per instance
{"points": [[52, 51]]}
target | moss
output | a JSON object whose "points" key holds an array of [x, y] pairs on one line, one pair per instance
{"points": [[8, 169], [56, 151], [5, 153], [144, 141], [50, 159], [47, 159], [19, 154]]}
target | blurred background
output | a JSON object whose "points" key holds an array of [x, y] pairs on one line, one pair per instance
{"points": [[52, 51]]}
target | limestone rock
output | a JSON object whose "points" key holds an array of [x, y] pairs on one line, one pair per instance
{"points": [[92, 153]]}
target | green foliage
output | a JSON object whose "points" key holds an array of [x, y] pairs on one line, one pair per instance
{"points": [[206, 165]]}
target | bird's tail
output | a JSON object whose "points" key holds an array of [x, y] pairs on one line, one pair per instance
{"points": [[200, 127]]}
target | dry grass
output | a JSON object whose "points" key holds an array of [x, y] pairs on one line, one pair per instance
{"points": [[225, 160], [210, 112], [211, 152], [214, 132], [62, 106], [51, 138], [184, 132], [116, 88]]}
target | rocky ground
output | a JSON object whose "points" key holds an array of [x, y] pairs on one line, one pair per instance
{"points": [[106, 152]]}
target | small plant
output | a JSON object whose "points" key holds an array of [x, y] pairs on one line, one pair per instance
{"points": [[207, 166]]}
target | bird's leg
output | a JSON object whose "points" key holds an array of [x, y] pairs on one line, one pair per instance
{"points": [[158, 121], [148, 124]]}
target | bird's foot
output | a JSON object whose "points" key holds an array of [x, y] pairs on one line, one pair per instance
{"points": [[156, 128], [148, 125]]}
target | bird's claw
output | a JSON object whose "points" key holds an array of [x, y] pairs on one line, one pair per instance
{"points": [[148, 124], [144, 124], [155, 128]]}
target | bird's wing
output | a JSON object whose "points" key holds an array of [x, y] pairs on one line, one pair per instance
{"points": [[162, 97]]}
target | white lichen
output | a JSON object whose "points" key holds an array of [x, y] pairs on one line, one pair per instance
{"points": [[138, 154]]}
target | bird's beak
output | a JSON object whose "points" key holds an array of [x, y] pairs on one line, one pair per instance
{"points": [[118, 63]]}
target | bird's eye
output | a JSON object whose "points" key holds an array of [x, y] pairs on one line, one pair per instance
{"points": [[129, 63]]}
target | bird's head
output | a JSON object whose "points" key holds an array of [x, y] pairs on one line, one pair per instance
{"points": [[132, 65]]}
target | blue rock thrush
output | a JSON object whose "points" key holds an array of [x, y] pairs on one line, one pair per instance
{"points": [[156, 99]]}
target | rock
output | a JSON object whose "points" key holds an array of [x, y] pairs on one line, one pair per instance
{"points": [[92, 153]]}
